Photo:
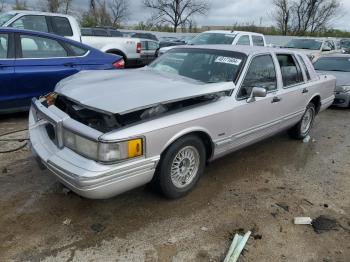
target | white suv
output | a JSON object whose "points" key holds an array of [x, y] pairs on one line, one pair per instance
{"points": [[223, 37]]}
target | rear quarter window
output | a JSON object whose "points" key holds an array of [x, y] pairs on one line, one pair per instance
{"points": [[78, 51], [61, 26], [3, 45], [303, 64], [258, 40]]}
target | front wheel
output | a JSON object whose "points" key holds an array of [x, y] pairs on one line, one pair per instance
{"points": [[302, 129], [181, 167]]}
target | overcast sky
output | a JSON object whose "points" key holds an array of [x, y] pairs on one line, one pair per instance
{"points": [[226, 12]]}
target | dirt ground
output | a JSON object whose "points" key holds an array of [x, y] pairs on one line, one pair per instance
{"points": [[261, 188]]}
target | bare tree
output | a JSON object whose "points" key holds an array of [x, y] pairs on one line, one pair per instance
{"points": [[177, 12], [52, 6], [67, 5], [303, 16], [20, 5], [119, 10], [2, 5], [282, 15]]}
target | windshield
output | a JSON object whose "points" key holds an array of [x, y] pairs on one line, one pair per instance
{"points": [[310, 44], [207, 66], [340, 64], [5, 17], [213, 39]]}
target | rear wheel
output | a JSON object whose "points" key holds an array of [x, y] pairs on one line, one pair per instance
{"points": [[302, 129], [181, 167]]}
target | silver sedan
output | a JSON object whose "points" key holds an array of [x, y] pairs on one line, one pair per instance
{"points": [[103, 133]]}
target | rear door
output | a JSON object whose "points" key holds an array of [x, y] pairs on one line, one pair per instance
{"points": [[7, 84], [41, 63]]}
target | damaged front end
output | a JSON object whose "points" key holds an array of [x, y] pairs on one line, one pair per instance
{"points": [[106, 122]]}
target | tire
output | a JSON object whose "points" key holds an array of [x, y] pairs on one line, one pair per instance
{"points": [[174, 178], [302, 129]]}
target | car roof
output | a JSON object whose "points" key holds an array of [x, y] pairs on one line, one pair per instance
{"points": [[337, 55], [248, 50], [29, 12], [232, 32]]}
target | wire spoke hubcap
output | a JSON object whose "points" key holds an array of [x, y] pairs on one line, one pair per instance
{"points": [[184, 167], [307, 120]]}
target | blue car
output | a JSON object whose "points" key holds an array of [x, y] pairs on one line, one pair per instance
{"points": [[32, 63]]}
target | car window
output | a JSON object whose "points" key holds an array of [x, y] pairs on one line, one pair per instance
{"points": [[261, 73], [31, 22], [41, 47], [86, 32], [206, 66], [3, 45], [303, 64], [116, 33], [78, 51], [258, 40], [100, 32], [61, 26], [291, 73], [308, 44], [329, 44], [143, 45], [244, 40], [338, 64], [153, 45], [6, 17], [213, 39]]}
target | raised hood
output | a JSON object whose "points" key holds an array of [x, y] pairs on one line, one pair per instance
{"points": [[124, 91]]}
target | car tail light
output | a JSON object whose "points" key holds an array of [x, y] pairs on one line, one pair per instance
{"points": [[120, 64], [138, 48]]}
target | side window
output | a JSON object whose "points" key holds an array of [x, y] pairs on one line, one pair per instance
{"points": [[261, 73], [61, 26], [100, 32], [305, 68], [78, 51], [258, 40], [244, 40], [31, 22], [143, 45], [3, 45], [153, 45], [291, 73], [41, 47]]}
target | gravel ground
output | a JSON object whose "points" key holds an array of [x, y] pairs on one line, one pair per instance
{"points": [[261, 188]]}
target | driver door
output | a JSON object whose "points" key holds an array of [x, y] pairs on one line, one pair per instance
{"points": [[255, 120]]}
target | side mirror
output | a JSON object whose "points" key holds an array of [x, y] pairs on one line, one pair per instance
{"points": [[257, 92]]}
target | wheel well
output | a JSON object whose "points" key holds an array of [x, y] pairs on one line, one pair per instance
{"points": [[317, 102], [208, 144], [117, 52]]}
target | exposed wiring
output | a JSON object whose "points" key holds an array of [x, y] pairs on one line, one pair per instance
{"points": [[20, 140]]}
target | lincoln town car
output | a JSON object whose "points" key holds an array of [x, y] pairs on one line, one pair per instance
{"points": [[106, 132]]}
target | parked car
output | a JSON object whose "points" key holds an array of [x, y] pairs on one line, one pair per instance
{"points": [[224, 38], [314, 47], [149, 50], [100, 31], [339, 66], [170, 41], [59, 24], [67, 26], [148, 36], [102, 134], [32, 63], [345, 46]]}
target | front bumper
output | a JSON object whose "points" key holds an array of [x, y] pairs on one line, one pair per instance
{"points": [[86, 177], [342, 99]]}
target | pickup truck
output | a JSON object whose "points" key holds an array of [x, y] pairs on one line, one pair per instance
{"points": [[112, 131], [67, 26], [224, 37]]}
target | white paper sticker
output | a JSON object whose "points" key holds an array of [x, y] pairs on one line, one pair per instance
{"points": [[228, 60]]}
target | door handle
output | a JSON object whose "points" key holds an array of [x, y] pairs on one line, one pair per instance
{"points": [[69, 64], [276, 99], [305, 91]]}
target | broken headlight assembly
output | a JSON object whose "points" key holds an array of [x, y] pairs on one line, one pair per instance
{"points": [[103, 151]]}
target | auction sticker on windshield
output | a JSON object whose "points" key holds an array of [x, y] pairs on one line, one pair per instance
{"points": [[228, 60]]}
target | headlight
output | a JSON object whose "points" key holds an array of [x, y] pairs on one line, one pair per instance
{"points": [[342, 89], [101, 151]]}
